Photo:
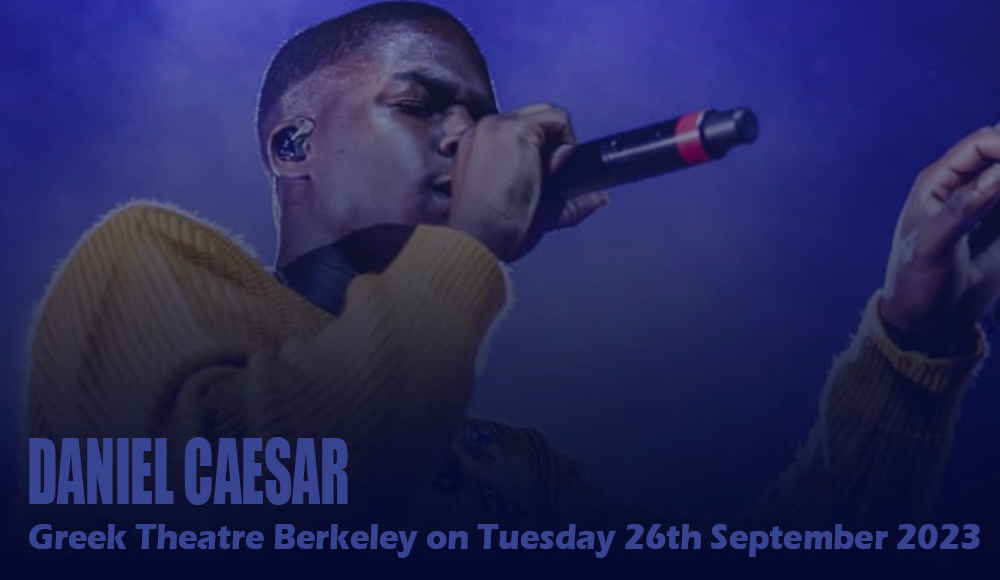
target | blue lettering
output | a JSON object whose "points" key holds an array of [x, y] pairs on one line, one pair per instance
{"points": [[227, 475], [41, 473], [278, 490], [140, 471], [100, 471], [197, 453], [333, 470], [306, 480], [251, 471]]}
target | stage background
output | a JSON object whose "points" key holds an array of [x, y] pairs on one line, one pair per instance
{"points": [[678, 342]]}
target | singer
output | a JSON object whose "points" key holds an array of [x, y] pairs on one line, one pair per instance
{"points": [[400, 191]]}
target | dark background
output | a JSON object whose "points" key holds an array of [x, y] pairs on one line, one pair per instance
{"points": [[676, 344]]}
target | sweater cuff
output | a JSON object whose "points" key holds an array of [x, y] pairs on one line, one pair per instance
{"points": [[937, 375], [453, 268]]}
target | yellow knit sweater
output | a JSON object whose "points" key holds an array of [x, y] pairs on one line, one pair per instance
{"points": [[158, 325]]}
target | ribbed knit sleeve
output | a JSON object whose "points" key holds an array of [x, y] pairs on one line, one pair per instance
{"points": [[158, 325], [882, 437]]}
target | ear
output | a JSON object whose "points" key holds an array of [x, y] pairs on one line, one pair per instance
{"points": [[289, 150]]}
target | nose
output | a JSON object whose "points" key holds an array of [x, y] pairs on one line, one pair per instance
{"points": [[455, 124]]}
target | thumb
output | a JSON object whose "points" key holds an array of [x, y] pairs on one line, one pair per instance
{"points": [[580, 207]]}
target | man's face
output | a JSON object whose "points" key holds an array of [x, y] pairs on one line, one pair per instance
{"points": [[386, 133]]}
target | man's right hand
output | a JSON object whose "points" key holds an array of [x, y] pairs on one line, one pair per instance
{"points": [[935, 289], [497, 180]]}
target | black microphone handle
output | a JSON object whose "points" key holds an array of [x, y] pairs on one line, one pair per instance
{"points": [[653, 150]]}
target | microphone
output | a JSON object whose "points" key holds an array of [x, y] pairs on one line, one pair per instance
{"points": [[653, 150]]}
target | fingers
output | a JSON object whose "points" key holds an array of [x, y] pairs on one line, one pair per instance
{"points": [[553, 129], [983, 192], [962, 162], [939, 274], [497, 178], [969, 204], [952, 195], [528, 110], [553, 121], [578, 208]]}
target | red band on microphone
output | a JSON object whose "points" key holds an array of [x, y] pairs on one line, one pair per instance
{"points": [[689, 144]]}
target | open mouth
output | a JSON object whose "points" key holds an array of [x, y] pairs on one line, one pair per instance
{"points": [[442, 186]]}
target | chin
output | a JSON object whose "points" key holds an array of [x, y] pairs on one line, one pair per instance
{"points": [[435, 210]]}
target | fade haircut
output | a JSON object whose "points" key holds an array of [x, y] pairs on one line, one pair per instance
{"points": [[328, 42]]}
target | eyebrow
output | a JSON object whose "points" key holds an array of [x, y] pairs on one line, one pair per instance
{"points": [[479, 104]]}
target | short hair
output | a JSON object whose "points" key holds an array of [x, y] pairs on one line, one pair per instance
{"points": [[328, 42]]}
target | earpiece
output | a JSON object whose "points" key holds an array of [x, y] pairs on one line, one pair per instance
{"points": [[287, 145]]}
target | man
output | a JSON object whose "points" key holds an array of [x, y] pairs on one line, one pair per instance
{"points": [[398, 192]]}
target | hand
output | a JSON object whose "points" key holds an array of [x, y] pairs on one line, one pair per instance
{"points": [[497, 180], [934, 286]]}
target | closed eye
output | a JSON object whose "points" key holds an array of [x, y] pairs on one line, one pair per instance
{"points": [[413, 108]]}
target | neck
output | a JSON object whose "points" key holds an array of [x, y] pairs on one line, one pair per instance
{"points": [[299, 231], [297, 237]]}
